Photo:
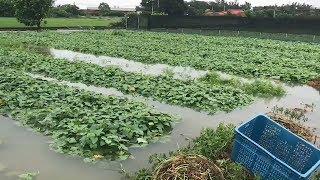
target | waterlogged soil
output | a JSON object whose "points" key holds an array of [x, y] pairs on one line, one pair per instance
{"points": [[315, 84], [130, 66], [25, 151]]}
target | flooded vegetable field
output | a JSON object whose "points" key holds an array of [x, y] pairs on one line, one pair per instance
{"points": [[69, 114], [25, 151]]}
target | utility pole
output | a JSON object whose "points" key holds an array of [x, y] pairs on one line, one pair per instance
{"points": [[152, 8]]}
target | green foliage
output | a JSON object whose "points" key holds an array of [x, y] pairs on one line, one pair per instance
{"points": [[32, 12], [286, 10], [171, 7], [6, 8], [260, 88], [84, 23], [291, 62], [213, 144], [263, 88], [143, 174], [193, 94], [28, 176], [104, 9], [80, 123], [197, 7], [67, 10]]}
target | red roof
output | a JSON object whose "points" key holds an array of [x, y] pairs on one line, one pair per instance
{"points": [[230, 12]]}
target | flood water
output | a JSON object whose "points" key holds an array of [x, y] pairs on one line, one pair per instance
{"points": [[22, 150], [25, 151], [130, 66]]}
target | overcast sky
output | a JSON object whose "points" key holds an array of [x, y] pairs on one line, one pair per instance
{"points": [[133, 3]]}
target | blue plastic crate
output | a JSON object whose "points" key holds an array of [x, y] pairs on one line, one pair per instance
{"points": [[272, 152]]}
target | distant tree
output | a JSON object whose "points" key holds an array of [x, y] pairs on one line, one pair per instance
{"points": [[288, 10], [6, 8], [71, 9], [246, 6], [58, 12], [171, 7], [197, 7], [104, 9], [67, 10], [32, 12], [149, 5]]}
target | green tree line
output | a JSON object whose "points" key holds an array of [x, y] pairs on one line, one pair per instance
{"points": [[194, 7], [8, 9]]}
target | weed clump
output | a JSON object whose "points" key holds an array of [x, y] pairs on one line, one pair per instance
{"points": [[2, 102], [292, 119], [258, 88], [118, 33], [191, 166], [211, 150]]}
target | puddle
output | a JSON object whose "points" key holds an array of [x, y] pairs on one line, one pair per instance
{"points": [[28, 151], [130, 66]]}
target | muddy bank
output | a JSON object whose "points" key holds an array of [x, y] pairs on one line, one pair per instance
{"points": [[315, 84]]}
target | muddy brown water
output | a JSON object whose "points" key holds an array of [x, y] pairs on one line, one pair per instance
{"points": [[25, 151]]}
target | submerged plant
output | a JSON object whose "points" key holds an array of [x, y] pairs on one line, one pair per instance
{"points": [[29, 176]]}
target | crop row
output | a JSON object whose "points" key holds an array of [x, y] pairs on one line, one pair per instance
{"points": [[81, 123], [194, 94], [292, 62]]}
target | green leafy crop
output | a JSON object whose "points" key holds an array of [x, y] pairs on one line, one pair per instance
{"points": [[193, 94], [292, 62], [80, 123]]}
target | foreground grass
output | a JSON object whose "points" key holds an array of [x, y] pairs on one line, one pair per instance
{"points": [[215, 145], [291, 62], [61, 22]]}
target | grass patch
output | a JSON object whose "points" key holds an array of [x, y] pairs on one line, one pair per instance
{"points": [[258, 88], [215, 145], [8, 22]]}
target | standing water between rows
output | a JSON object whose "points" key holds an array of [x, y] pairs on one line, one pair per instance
{"points": [[26, 151]]}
